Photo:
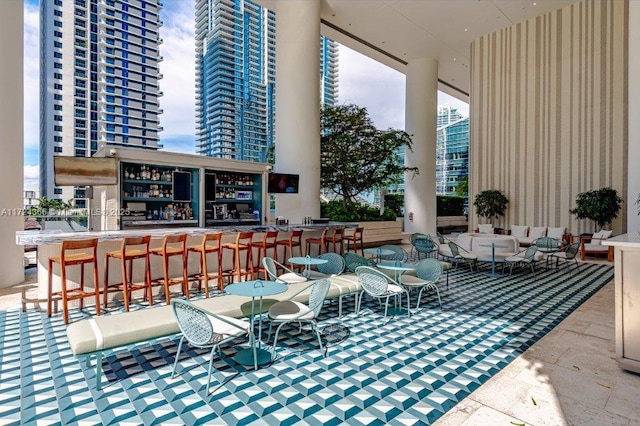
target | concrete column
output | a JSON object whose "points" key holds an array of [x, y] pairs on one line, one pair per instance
{"points": [[421, 117], [297, 137], [12, 158], [633, 111]]}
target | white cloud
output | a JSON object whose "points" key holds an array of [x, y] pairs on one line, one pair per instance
{"points": [[179, 72], [31, 76], [31, 176]]}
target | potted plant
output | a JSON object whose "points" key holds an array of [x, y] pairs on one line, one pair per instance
{"points": [[600, 205], [491, 204]]}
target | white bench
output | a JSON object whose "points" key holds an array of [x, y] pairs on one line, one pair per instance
{"points": [[94, 335]]}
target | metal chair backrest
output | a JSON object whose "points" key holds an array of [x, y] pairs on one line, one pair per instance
{"points": [[353, 260], [373, 281], [530, 253], [454, 249], [193, 322], [418, 236], [270, 266], [318, 294], [334, 266], [547, 243], [429, 269], [440, 237], [572, 250], [423, 245], [399, 253]]}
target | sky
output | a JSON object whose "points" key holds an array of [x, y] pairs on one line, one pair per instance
{"points": [[362, 81]]}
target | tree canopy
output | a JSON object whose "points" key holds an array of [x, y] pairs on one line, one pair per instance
{"points": [[355, 156], [600, 205]]}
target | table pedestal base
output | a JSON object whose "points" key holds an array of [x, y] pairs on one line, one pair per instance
{"points": [[245, 356]]}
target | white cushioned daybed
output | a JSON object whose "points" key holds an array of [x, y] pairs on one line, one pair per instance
{"points": [[94, 335], [480, 245], [593, 245]]}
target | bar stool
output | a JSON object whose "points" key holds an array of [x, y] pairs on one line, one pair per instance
{"points": [[335, 239], [70, 259], [354, 238], [243, 243], [269, 241], [295, 240], [320, 242], [126, 255], [211, 243], [167, 252]]}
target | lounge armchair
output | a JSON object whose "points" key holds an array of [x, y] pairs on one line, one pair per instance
{"points": [[353, 260], [424, 246], [377, 285], [593, 245], [289, 277], [428, 272], [334, 267]]}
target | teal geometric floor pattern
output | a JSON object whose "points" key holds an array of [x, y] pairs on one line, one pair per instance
{"points": [[409, 371]]}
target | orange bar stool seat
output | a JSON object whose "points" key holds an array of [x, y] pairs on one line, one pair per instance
{"points": [[269, 242], [242, 244], [320, 242], [74, 258], [211, 244], [355, 237], [166, 252], [132, 248], [335, 239]]}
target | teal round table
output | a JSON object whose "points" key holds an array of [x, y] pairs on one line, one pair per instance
{"points": [[253, 289]]}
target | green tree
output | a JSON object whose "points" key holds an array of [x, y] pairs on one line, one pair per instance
{"points": [[355, 156], [490, 203], [462, 190], [600, 205]]}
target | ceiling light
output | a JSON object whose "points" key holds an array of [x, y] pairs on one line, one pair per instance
{"points": [[455, 59], [466, 29], [535, 4]]}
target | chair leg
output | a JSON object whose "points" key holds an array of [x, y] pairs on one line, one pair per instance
{"points": [[213, 350], [175, 363], [315, 327], [99, 371]]}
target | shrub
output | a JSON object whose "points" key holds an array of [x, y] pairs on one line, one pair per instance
{"points": [[395, 202], [450, 206], [336, 211]]}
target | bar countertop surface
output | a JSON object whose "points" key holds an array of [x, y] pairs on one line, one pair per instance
{"points": [[56, 236], [631, 239]]}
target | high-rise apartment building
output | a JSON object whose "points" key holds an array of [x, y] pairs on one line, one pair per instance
{"points": [[98, 81], [235, 78], [452, 157]]}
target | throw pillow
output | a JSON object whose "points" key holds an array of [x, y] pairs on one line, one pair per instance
{"points": [[485, 229], [556, 233], [537, 232], [519, 231], [596, 238]]}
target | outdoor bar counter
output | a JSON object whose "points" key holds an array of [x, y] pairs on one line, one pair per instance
{"points": [[627, 299], [48, 243]]}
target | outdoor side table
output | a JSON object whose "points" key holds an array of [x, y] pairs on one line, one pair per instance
{"points": [[397, 267], [493, 246], [307, 262], [377, 253], [255, 289]]}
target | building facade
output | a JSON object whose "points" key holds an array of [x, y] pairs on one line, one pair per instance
{"points": [[98, 81], [235, 79], [452, 157]]}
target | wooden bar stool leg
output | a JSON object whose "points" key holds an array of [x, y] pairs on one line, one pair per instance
{"points": [[50, 286], [220, 271], [147, 274], [204, 273], [185, 279], [82, 285], [165, 271], [96, 285], [126, 279], [106, 280], [63, 283]]}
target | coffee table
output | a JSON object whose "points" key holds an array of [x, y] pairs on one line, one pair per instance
{"points": [[253, 289]]}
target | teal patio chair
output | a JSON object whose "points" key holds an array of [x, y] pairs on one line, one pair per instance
{"points": [[204, 330], [425, 246], [528, 259], [380, 286], [289, 277], [335, 266], [570, 253], [398, 252], [428, 272], [288, 311], [353, 260], [457, 257]]}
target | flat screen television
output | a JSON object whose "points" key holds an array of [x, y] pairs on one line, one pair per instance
{"points": [[181, 186], [85, 171], [281, 183]]}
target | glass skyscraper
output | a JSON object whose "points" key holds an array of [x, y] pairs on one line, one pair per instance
{"points": [[452, 157], [98, 81], [235, 78]]}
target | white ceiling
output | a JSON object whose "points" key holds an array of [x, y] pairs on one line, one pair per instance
{"points": [[395, 32]]}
